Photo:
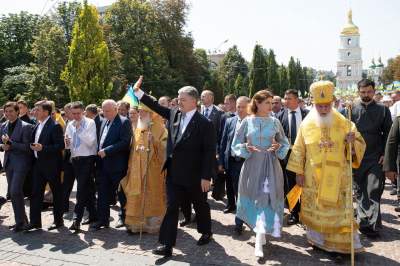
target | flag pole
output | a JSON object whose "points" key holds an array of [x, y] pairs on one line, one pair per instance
{"points": [[145, 181], [351, 188]]}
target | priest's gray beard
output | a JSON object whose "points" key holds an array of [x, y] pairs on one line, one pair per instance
{"points": [[143, 123], [322, 121]]}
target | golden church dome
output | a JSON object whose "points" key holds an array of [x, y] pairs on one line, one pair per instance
{"points": [[350, 28]]}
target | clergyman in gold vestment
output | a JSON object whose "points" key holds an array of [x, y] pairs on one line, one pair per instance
{"points": [[133, 184], [320, 160]]}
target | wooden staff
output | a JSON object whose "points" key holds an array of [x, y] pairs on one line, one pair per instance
{"points": [[148, 150], [351, 187]]}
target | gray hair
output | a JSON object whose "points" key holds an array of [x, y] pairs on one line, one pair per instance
{"points": [[189, 90], [244, 99], [109, 102]]}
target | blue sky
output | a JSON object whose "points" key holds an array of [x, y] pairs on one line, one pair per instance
{"points": [[306, 29]]}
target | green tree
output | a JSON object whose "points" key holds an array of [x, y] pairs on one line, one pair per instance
{"points": [[272, 73], [232, 66], [292, 74], [16, 38], [203, 65], [258, 68], [133, 34], [87, 70], [65, 17], [50, 55], [283, 79]]}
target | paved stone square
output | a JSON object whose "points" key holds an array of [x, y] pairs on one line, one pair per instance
{"points": [[115, 247]]}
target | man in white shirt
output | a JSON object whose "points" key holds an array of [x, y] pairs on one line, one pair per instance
{"points": [[81, 140]]}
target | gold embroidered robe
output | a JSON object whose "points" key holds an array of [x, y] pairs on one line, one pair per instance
{"points": [[321, 155], [133, 183]]}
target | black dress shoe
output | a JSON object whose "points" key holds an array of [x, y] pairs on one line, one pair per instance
{"points": [[97, 226], [18, 228], [238, 230], [75, 226], [163, 250], [120, 223], [369, 232], [2, 201], [204, 239], [88, 221], [55, 226], [230, 209], [30, 227], [292, 219], [185, 222], [12, 226]]}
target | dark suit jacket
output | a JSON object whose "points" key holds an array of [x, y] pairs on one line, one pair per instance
{"points": [[215, 117], [392, 150], [98, 120], [116, 146], [20, 154], [52, 139], [283, 116], [191, 158], [226, 141]]}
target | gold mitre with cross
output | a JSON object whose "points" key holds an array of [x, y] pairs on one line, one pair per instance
{"points": [[322, 91]]}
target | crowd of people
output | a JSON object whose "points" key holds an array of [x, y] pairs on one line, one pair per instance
{"points": [[160, 158]]}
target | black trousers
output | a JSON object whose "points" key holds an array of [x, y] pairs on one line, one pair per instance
{"points": [[107, 185], [68, 183], [176, 195], [122, 201], [289, 183], [39, 181], [369, 183], [85, 196]]}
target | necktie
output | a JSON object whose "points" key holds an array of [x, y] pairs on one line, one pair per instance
{"points": [[206, 112], [181, 125], [293, 128]]}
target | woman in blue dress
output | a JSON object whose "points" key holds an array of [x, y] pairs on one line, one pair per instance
{"points": [[262, 142]]}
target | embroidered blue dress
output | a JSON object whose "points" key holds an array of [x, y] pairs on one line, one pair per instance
{"points": [[261, 196]]}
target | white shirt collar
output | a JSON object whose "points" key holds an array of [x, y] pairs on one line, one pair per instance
{"points": [[297, 110], [190, 114], [44, 121]]}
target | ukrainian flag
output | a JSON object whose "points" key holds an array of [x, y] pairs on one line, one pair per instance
{"points": [[130, 97]]}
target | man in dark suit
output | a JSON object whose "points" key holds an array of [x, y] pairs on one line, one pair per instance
{"points": [[24, 116], [15, 140], [47, 145], [223, 180], [190, 164], [291, 118], [112, 164], [230, 163], [211, 112]]}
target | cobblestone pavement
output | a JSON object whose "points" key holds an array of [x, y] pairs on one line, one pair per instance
{"points": [[115, 247]]}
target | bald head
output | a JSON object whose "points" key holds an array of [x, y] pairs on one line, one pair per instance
{"points": [[110, 109], [207, 97]]}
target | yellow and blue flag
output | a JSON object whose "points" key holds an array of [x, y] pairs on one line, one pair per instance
{"points": [[130, 97]]}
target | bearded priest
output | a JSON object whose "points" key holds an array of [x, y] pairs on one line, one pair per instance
{"points": [[320, 159]]}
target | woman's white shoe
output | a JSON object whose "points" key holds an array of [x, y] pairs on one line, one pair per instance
{"points": [[260, 241]]}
